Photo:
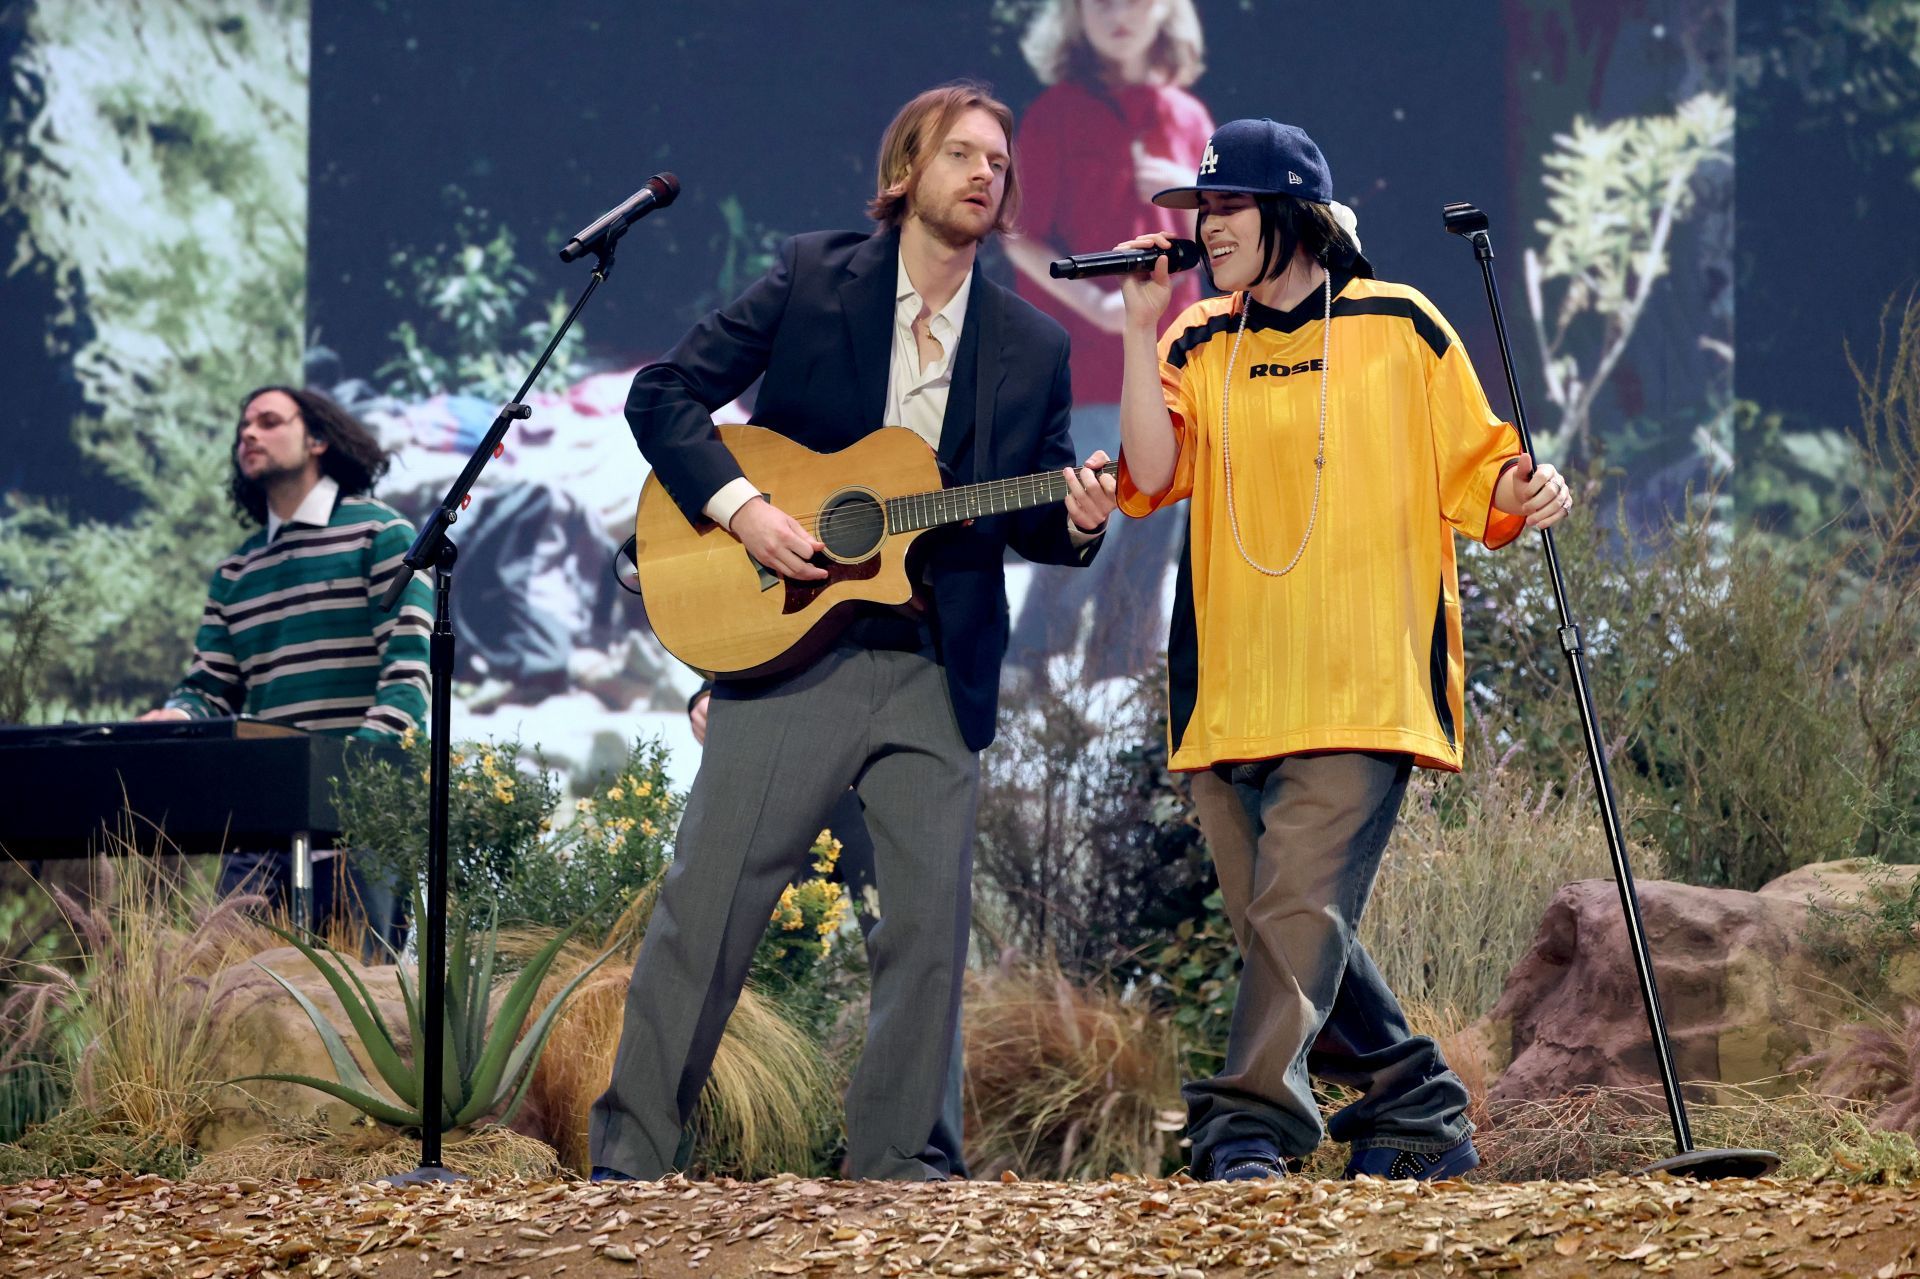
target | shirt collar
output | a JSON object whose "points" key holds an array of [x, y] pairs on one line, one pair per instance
{"points": [[315, 508], [907, 300]]}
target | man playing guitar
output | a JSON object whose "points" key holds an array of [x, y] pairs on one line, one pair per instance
{"points": [[852, 332]]}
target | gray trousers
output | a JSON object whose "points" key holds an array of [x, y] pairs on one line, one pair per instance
{"points": [[855, 869], [778, 756], [1296, 842]]}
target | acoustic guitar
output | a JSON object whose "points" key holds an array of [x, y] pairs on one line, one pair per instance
{"points": [[719, 610]]}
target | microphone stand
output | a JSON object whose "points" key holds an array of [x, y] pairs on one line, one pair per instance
{"points": [[1467, 221], [432, 550]]}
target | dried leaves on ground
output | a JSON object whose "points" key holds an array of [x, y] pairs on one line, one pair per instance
{"points": [[788, 1226]]}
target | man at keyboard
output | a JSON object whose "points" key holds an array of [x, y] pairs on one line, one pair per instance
{"points": [[291, 633]]}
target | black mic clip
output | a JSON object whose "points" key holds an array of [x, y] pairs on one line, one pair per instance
{"points": [[1468, 221]]}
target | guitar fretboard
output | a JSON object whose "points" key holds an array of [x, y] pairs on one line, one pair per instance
{"points": [[972, 501]]}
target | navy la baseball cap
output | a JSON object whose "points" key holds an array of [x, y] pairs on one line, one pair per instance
{"points": [[1256, 157]]}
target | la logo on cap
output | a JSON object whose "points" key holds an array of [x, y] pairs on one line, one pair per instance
{"points": [[1211, 161]]}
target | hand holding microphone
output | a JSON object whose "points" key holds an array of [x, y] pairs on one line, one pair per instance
{"points": [[1145, 285]]}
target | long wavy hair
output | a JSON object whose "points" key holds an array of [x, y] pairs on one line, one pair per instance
{"points": [[921, 124], [353, 456]]}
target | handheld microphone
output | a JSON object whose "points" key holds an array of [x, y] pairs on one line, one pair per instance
{"points": [[1181, 255], [597, 236]]}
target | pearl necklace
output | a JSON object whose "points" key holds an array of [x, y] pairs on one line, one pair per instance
{"points": [[1320, 454]]}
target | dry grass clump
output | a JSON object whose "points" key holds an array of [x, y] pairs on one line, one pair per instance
{"points": [[1067, 1081], [368, 1152], [79, 1140], [1594, 1130], [767, 1100], [140, 1021], [1468, 874], [1878, 1061]]}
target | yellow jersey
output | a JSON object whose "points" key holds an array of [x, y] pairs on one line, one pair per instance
{"points": [[1358, 647]]}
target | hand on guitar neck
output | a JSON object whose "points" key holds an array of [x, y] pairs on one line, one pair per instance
{"points": [[777, 540], [1092, 493]]}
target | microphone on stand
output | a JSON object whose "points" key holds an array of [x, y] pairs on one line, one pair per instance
{"points": [[1181, 255], [660, 191]]}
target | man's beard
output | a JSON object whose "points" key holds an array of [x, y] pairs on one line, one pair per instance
{"points": [[254, 490], [946, 224]]}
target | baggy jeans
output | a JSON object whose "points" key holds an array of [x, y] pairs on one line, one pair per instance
{"points": [[1296, 842]]}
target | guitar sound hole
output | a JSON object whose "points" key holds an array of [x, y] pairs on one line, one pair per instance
{"points": [[852, 524]]}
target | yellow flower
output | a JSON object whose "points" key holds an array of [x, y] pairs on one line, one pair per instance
{"points": [[647, 828], [458, 759], [644, 789], [826, 851], [616, 795], [836, 913], [583, 805], [503, 791], [409, 737], [787, 912]]}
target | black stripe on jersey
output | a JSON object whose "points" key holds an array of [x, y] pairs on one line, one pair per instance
{"points": [[1265, 317], [1183, 648], [1177, 353], [1437, 667], [1429, 330]]}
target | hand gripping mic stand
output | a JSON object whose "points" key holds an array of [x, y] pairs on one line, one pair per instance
{"points": [[432, 550], [1465, 220]]}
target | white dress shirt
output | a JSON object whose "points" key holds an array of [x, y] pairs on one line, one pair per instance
{"points": [[917, 395], [315, 508]]}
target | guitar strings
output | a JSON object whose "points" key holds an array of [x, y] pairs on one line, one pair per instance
{"points": [[1043, 482]]}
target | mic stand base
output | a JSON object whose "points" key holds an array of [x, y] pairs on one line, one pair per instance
{"points": [[1712, 1165], [424, 1175]]}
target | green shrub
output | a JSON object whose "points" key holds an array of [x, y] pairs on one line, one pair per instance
{"points": [[1085, 854], [512, 854], [1197, 977], [1742, 690]]}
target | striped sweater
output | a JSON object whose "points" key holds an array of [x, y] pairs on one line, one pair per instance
{"points": [[291, 633]]}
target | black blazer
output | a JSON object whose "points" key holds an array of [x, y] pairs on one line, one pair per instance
{"points": [[819, 327]]}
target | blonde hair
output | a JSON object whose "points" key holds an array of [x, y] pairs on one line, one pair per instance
{"points": [[1056, 45], [923, 123]]}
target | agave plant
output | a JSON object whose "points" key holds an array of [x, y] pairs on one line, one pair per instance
{"points": [[482, 1074]]}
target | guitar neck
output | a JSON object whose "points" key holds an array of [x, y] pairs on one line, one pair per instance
{"points": [[972, 501]]}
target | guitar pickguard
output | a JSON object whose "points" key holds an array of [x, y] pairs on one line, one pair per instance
{"points": [[802, 594]]}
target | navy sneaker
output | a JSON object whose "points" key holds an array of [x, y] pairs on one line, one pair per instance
{"points": [[1245, 1159], [1420, 1165], [610, 1174]]}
